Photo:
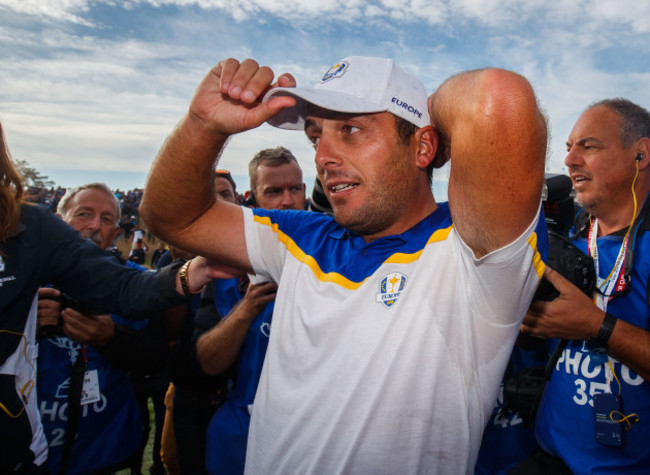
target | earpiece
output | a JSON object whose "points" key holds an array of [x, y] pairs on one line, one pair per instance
{"points": [[639, 157]]}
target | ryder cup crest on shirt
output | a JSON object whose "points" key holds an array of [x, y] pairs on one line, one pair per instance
{"points": [[357, 85], [390, 288]]}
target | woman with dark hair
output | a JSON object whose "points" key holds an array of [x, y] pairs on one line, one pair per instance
{"points": [[23, 448], [38, 248], [11, 191]]}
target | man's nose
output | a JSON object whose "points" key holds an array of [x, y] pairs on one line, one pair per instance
{"points": [[94, 223], [327, 153], [573, 158], [287, 198]]}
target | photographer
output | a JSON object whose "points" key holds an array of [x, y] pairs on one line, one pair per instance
{"points": [[594, 417], [108, 420]]}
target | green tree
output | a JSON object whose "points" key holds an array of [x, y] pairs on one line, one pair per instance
{"points": [[32, 176]]}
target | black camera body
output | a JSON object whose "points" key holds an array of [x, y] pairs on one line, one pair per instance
{"points": [[563, 256], [522, 392], [573, 264], [51, 331]]}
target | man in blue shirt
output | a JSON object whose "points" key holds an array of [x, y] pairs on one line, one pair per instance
{"points": [[109, 428], [595, 413], [240, 339]]}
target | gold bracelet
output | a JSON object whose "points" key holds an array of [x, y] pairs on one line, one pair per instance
{"points": [[185, 284]]}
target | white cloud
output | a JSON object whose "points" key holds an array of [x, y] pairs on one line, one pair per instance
{"points": [[81, 90], [491, 13], [452, 18], [624, 12], [62, 10]]}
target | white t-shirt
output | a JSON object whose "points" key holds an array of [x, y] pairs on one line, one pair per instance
{"points": [[384, 357]]}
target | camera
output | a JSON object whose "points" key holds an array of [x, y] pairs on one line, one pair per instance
{"points": [[522, 393], [51, 331], [563, 256]]}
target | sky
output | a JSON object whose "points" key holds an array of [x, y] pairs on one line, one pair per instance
{"points": [[90, 89]]}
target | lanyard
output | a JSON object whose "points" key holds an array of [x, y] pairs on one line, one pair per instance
{"points": [[615, 281]]}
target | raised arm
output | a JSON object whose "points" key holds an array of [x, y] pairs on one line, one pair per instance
{"points": [[179, 204], [218, 348], [495, 135]]}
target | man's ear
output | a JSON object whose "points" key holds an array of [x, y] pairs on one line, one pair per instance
{"points": [[427, 143], [643, 151]]}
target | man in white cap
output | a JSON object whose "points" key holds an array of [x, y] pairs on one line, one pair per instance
{"points": [[393, 324]]}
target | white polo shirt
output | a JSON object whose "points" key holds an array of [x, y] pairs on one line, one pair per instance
{"points": [[384, 357]]}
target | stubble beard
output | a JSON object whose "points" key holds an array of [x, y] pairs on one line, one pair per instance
{"points": [[370, 218], [590, 206], [384, 202]]}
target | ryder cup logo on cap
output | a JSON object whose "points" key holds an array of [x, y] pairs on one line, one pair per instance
{"points": [[357, 85], [335, 71]]}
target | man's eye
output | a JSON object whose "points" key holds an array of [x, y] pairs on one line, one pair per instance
{"points": [[314, 142], [351, 129]]}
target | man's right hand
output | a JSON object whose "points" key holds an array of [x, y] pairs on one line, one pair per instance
{"points": [[255, 299], [229, 99], [95, 330], [179, 205], [49, 307]]}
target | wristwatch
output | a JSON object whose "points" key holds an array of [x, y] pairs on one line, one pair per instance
{"points": [[185, 285], [605, 331]]}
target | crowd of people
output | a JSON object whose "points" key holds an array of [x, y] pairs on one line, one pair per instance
{"points": [[350, 331]]}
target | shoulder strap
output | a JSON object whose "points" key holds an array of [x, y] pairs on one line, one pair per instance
{"points": [[644, 216], [645, 226], [74, 408], [580, 224], [640, 225], [552, 361]]}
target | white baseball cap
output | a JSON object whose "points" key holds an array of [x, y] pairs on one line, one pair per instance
{"points": [[357, 85]]}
